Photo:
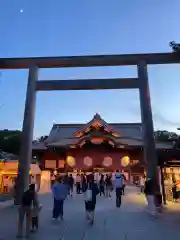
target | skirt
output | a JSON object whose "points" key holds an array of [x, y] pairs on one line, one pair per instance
{"points": [[90, 206]]}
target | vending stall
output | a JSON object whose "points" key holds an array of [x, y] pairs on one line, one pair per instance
{"points": [[8, 175]]}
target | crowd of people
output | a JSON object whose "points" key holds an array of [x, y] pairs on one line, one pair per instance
{"points": [[63, 186]]}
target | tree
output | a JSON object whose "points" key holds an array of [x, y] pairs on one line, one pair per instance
{"points": [[10, 141], [165, 136], [175, 46], [42, 138]]}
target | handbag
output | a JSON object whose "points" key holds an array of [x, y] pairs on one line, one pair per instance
{"points": [[88, 195]]}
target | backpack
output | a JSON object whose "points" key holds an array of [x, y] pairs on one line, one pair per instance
{"points": [[27, 198]]}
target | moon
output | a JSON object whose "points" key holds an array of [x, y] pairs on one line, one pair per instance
{"points": [[21, 10]]}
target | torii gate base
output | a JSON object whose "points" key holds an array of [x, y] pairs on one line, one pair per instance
{"points": [[141, 60]]}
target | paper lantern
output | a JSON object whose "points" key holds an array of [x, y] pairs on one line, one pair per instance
{"points": [[71, 161], [88, 161], [107, 161], [125, 161]]}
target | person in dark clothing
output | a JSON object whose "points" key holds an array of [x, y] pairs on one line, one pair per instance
{"points": [[84, 183], [71, 184], [174, 191], [90, 199], [101, 185], [108, 183], [78, 184], [150, 195], [28, 200], [123, 185], [158, 201]]}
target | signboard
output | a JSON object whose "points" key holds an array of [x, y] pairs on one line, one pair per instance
{"points": [[50, 164], [61, 163]]}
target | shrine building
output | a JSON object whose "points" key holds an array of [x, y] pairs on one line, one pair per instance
{"points": [[94, 146]]}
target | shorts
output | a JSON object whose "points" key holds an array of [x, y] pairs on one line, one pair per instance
{"points": [[90, 206]]}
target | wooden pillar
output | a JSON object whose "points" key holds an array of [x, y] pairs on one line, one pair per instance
{"points": [[150, 155], [27, 135], [162, 184]]}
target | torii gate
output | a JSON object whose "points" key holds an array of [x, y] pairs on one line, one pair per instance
{"points": [[141, 83]]}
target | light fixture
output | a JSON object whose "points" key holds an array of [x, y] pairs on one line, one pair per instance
{"points": [[107, 161], [71, 161], [82, 143], [72, 146], [88, 161], [96, 140], [125, 161], [111, 143]]}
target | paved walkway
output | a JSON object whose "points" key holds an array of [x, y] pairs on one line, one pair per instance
{"points": [[130, 222]]}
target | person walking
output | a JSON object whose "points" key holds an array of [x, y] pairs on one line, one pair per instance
{"points": [[90, 199], [60, 192], [118, 185], [108, 183], [141, 184], [25, 208], [174, 191], [149, 193], [84, 183], [78, 184], [123, 184], [71, 184], [35, 213], [101, 185]]}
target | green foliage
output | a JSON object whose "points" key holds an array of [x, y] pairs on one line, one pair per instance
{"points": [[42, 138], [10, 141], [165, 136]]}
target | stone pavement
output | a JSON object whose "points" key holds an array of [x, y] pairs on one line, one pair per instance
{"points": [[130, 222]]}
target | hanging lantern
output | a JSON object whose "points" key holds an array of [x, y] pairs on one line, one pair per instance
{"points": [[125, 161], [71, 161], [82, 143], [88, 161], [107, 161], [96, 140], [111, 143]]}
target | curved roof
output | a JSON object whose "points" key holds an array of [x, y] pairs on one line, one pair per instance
{"points": [[128, 134]]}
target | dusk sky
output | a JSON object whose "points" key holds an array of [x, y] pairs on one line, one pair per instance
{"points": [[88, 27]]}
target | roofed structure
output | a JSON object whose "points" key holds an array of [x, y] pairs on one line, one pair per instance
{"points": [[117, 134]]}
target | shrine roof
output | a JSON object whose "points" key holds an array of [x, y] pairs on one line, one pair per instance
{"points": [[60, 131], [127, 134]]}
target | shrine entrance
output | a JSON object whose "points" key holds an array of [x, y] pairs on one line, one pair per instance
{"points": [[34, 85]]}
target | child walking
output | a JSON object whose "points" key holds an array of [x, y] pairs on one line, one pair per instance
{"points": [[35, 217]]}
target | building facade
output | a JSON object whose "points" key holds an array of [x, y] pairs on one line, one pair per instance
{"points": [[94, 146]]}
